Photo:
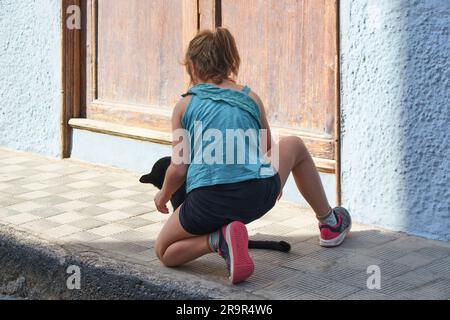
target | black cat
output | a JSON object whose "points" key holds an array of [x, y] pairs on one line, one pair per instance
{"points": [[156, 177]]}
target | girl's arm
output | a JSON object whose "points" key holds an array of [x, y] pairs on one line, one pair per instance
{"points": [[176, 173], [264, 123]]}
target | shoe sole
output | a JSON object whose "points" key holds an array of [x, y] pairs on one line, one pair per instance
{"points": [[336, 241], [241, 264]]}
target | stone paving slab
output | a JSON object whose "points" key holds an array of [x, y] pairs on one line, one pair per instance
{"points": [[106, 211]]}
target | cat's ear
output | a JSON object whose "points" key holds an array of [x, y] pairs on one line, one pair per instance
{"points": [[148, 178]]}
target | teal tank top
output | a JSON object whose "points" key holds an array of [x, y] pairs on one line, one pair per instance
{"points": [[225, 142]]}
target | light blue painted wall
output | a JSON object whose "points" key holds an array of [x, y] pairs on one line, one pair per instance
{"points": [[30, 75], [139, 157], [396, 113], [129, 154]]}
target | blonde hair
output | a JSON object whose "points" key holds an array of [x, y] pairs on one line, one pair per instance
{"points": [[212, 56]]}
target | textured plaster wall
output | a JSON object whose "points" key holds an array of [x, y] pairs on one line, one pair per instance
{"points": [[395, 73], [30, 75]]}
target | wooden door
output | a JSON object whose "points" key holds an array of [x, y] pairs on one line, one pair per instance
{"points": [[134, 48], [134, 74]]}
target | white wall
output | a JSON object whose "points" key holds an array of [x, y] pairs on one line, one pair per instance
{"points": [[395, 114], [30, 75]]}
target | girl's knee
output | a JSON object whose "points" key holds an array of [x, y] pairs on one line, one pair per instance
{"points": [[160, 252], [166, 262], [294, 143]]}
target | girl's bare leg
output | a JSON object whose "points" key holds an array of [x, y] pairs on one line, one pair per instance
{"points": [[294, 157], [175, 246]]}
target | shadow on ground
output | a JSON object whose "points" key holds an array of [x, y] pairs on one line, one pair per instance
{"points": [[310, 271]]}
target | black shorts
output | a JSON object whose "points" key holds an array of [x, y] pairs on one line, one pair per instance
{"points": [[207, 209]]}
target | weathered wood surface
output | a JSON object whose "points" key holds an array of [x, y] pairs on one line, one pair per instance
{"points": [[288, 50], [133, 74], [71, 76], [136, 48]]}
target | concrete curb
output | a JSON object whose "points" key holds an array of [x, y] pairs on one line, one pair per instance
{"points": [[36, 269]]}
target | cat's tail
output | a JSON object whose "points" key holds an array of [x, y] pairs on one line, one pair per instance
{"points": [[282, 246]]}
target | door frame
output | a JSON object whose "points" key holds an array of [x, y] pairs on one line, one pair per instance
{"points": [[71, 55], [71, 84]]}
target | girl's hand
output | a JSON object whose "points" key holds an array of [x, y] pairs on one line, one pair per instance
{"points": [[161, 200]]}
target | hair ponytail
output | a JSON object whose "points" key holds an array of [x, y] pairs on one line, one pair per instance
{"points": [[212, 56]]}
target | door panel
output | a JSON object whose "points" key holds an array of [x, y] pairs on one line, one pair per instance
{"points": [[139, 50], [136, 48], [288, 51]]}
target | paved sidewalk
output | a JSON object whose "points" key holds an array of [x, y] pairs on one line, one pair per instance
{"points": [[108, 212]]}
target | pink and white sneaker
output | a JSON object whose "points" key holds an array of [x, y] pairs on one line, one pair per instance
{"points": [[333, 236], [233, 247]]}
